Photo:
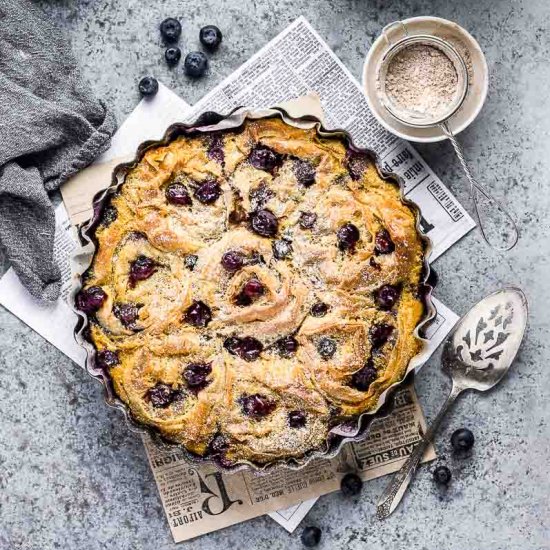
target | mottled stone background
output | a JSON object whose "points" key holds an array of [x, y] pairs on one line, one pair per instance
{"points": [[73, 477]]}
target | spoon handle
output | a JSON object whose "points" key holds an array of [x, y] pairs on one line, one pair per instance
{"points": [[397, 487]]}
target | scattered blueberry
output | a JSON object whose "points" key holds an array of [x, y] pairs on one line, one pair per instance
{"points": [[148, 86], [218, 445], [141, 269], [442, 475], [311, 536], [215, 148], [198, 314], [190, 261], [379, 334], [319, 309], [351, 485], [106, 359], [246, 348], [232, 260], [256, 405], [386, 296], [161, 395], [259, 196], [356, 163], [90, 299], [364, 377], [210, 37], [347, 236], [232, 345], [383, 243], [307, 220], [264, 158], [264, 223], [170, 29], [172, 55], [127, 314], [281, 249], [296, 419], [462, 439], [195, 374], [208, 192], [304, 172], [110, 214], [287, 346], [176, 193], [326, 347], [195, 64], [251, 290]]}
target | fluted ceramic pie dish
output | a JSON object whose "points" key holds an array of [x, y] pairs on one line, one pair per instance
{"points": [[230, 305]]}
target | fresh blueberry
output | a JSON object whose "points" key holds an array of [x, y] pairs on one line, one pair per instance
{"points": [[304, 172], [364, 377], [210, 37], [190, 261], [347, 236], [256, 406], [176, 193], [170, 29], [319, 309], [161, 395], [379, 334], [287, 346], [127, 314], [383, 243], [326, 347], [386, 296], [172, 55], [141, 269], [264, 158], [442, 475], [307, 220], [208, 192], [232, 260], [195, 374], [148, 86], [90, 299], [195, 64], [106, 359], [351, 485], [296, 419], [462, 439], [281, 249], [264, 223], [311, 536], [198, 314]]}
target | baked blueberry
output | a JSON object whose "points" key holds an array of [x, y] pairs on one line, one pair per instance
{"points": [[232, 260], [326, 347], [215, 148], [442, 475], [110, 214], [364, 377], [256, 406], [170, 29], [462, 439], [250, 348], [287, 346], [195, 64], [311, 536], [148, 86], [356, 163], [90, 299], [259, 196], [383, 243], [296, 419], [208, 192], [379, 334], [141, 269], [304, 172], [264, 158], [218, 445], [264, 223], [281, 249], [161, 395], [198, 314], [172, 55], [195, 374], [251, 291], [319, 309], [106, 359], [210, 37], [127, 314], [351, 485], [386, 296], [190, 261], [347, 236], [176, 193], [232, 345], [307, 220]]}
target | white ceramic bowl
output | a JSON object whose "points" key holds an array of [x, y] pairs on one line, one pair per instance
{"points": [[464, 42]]}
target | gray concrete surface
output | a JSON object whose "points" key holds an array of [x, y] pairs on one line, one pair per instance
{"points": [[72, 476]]}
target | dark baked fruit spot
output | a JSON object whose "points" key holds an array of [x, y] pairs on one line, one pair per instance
{"points": [[259, 196], [264, 158], [232, 345], [141, 269], [161, 395], [287, 346], [208, 192], [90, 299], [127, 314], [215, 148], [364, 377], [256, 406], [218, 445], [176, 193], [238, 214], [264, 223], [347, 236], [281, 249], [356, 163], [198, 314], [374, 264], [296, 419], [246, 348], [195, 375], [232, 260], [106, 359], [190, 261], [326, 347], [379, 334], [386, 296], [319, 309], [251, 291], [307, 220], [304, 172], [109, 215], [383, 243]]}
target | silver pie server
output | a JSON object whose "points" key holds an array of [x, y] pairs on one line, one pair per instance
{"points": [[477, 355]]}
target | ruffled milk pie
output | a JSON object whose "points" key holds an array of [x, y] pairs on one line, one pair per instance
{"points": [[253, 288]]}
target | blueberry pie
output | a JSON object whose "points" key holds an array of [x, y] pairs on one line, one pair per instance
{"points": [[253, 288]]}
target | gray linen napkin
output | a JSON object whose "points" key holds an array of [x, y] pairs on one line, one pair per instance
{"points": [[51, 126]]}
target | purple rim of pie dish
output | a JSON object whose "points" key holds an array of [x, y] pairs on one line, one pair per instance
{"points": [[355, 430]]}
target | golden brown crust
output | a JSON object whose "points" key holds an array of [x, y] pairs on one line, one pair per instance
{"points": [[154, 350]]}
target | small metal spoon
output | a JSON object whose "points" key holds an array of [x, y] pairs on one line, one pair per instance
{"points": [[477, 355]]}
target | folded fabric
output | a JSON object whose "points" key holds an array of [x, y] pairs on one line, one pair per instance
{"points": [[51, 126]]}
